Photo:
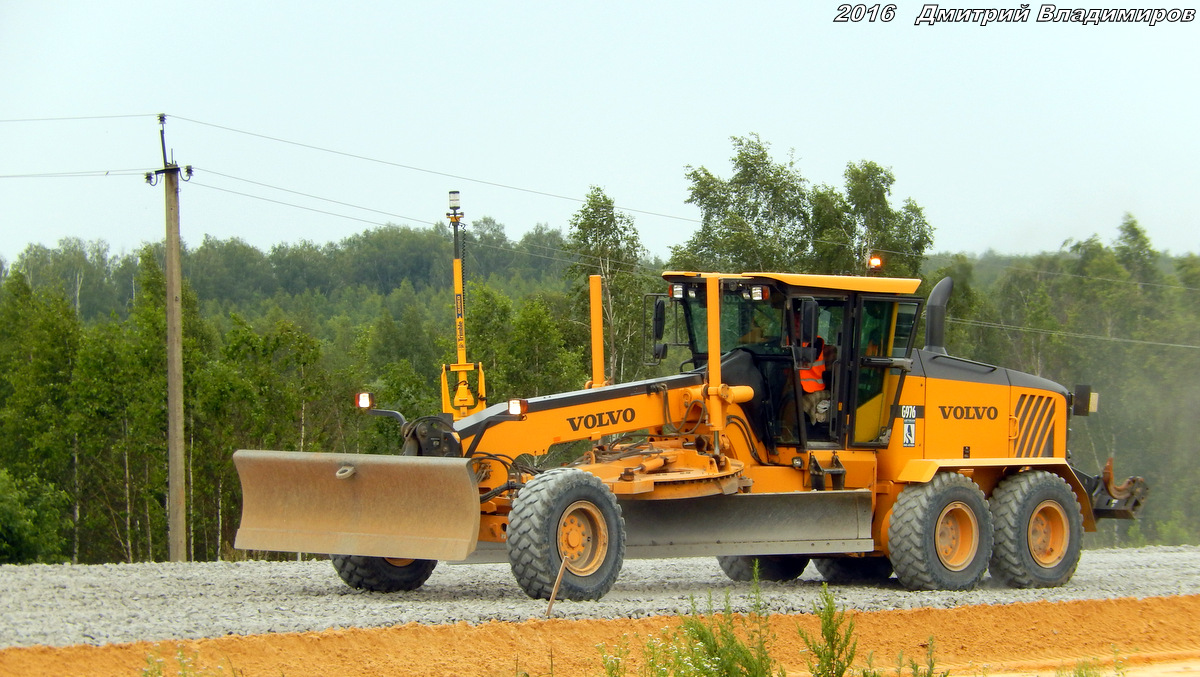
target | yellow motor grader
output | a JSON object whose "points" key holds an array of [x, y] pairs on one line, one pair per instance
{"points": [[803, 426]]}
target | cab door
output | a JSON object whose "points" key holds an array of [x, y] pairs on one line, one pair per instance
{"points": [[883, 338]]}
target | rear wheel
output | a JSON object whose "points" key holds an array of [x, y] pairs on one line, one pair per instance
{"points": [[854, 569], [940, 536], [770, 567], [1039, 530], [383, 574], [566, 515]]}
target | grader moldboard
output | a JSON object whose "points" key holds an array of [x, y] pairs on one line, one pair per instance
{"points": [[803, 426]]}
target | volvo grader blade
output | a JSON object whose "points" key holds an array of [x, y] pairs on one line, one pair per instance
{"points": [[384, 506]]}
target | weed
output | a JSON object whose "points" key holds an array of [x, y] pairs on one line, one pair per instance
{"points": [[927, 671], [1118, 662], [614, 663], [833, 654], [1082, 669], [916, 669], [185, 666], [869, 670], [705, 644], [713, 644]]}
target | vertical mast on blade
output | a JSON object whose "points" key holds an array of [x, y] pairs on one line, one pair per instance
{"points": [[464, 401]]}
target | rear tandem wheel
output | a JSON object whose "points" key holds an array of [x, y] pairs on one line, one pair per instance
{"points": [[778, 568], [854, 569], [1039, 530]]}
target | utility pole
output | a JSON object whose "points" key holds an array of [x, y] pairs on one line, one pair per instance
{"points": [[176, 497]]}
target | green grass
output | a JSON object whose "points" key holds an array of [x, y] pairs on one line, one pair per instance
{"points": [[1092, 668], [713, 643], [184, 665], [738, 645]]}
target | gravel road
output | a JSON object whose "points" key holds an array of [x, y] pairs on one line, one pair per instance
{"points": [[60, 605]]}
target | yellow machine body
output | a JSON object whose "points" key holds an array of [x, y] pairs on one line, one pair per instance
{"points": [[731, 457]]}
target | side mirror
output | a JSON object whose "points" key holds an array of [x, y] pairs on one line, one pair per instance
{"points": [[660, 351], [806, 322], [1084, 401], [804, 356], [659, 322]]}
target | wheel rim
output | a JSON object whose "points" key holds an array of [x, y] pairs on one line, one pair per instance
{"points": [[582, 538], [398, 562], [956, 537], [1048, 534]]}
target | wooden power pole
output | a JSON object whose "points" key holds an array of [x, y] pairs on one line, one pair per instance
{"points": [[176, 496]]}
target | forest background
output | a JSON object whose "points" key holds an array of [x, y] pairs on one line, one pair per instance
{"points": [[276, 343]]}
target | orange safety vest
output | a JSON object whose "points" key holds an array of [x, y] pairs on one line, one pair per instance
{"points": [[812, 379]]}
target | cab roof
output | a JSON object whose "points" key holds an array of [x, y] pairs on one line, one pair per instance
{"points": [[871, 285]]}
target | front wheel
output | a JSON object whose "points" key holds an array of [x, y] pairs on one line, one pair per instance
{"points": [[854, 569], [1039, 530], [382, 574], [566, 516], [778, 568], [940, 536]]}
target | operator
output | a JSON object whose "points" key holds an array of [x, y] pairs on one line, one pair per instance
{"points": [[815, 400], [812, 378]]}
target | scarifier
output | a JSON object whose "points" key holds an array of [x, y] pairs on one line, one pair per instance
{"points": [[803, 426]]}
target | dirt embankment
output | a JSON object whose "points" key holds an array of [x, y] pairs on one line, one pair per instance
{"points": [[1158, 635]]}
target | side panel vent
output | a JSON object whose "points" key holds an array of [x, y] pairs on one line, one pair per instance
{"points": [[1035, 418]]}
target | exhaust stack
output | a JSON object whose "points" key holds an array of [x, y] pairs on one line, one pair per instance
{"points": [[935, 316]]}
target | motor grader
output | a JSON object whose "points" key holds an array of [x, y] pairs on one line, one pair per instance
{"points": [[904, 460]]}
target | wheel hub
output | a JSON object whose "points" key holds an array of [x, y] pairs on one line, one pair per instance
{"points": [[956, 536], [1048, 534], [582, 538]]}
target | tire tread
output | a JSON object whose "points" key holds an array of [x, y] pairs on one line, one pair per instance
{"points": [[910, 522], [854, 569], [529, 554], [363, 572], [1008, 564], [778, 568]]}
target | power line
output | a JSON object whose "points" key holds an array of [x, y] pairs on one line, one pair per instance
{"points": [[287, 204], [448, 175], [82, 117], [627, 265], [78, 174], [1067, 334], [624, 265], [1035, 271], [619, 265], [434, 172], [308, 195], [100, 173]]}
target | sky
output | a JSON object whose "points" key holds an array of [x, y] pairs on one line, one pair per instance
{"points": [[317, 120]]}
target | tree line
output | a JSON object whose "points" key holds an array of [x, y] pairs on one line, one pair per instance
{"points": [[276, 343]]}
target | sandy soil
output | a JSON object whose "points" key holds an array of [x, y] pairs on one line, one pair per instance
{"points": [[1154, 636]]}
